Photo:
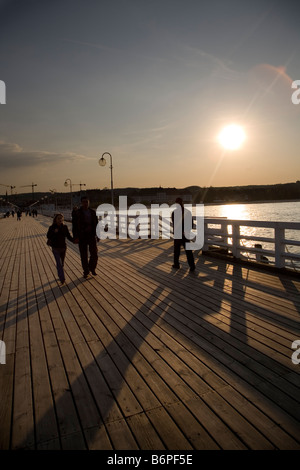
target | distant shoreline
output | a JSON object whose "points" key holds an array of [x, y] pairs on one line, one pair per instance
{"points": [[223, 203], [206, 204]]}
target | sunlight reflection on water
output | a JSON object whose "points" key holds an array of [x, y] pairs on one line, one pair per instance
{"points": [[272, 212]]}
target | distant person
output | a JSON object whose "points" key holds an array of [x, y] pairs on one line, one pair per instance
{"points": [[19, 214], [57, 234], [84, 223], [73, 213], [181, 217]]}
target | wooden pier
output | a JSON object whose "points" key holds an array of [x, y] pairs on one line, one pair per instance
{"points": [[142, 356]]}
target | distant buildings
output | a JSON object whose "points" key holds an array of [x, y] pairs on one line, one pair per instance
{"points": [[159, 196]]}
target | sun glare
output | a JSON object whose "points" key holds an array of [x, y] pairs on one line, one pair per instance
{"points": [[232, 137]]}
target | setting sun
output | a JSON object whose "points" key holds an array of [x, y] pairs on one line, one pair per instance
{"points": [[232, 137]]}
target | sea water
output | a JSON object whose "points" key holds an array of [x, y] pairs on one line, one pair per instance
{"points": [[267, 211]]}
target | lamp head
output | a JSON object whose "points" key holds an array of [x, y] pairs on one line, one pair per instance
{"points": [[102, 161]]}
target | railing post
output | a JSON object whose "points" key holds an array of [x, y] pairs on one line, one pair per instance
{"points": [[224, 233], [205, 245], [117, 223], [279, 247], [235, 240]]}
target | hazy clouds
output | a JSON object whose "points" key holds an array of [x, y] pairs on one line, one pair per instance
{"points": [[13, 155]]}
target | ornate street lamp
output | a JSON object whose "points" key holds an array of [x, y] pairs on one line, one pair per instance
{"points": [[102, 162], [66, 184], [54, 193]]}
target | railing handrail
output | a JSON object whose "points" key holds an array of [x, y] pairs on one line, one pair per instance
{"points": [[254, 223], [219, 236], [280, 252]]}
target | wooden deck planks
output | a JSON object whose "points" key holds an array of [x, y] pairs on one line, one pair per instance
{"points": [[142, 357]]}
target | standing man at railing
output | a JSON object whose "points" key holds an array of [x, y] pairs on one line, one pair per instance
{"points": [[182, 221], [84, 223]]}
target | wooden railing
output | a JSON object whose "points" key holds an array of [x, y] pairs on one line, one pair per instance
{"points": [[274, 245], [260, 241]]}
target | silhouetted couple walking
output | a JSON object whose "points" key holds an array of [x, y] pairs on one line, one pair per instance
{"points": [[84, 223]]}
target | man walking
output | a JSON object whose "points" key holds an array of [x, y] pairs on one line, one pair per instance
{"points": [[182, 219], [84, 223]]}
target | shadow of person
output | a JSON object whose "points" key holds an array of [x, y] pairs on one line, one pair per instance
{"points": [[125, 349]]}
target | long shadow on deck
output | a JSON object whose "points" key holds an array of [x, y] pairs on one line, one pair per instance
{"points": [[24, 306], [173, 307]]}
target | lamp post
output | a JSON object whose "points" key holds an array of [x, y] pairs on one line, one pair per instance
{"points": [[66, 184], [53, 192], [102, 162], [81, 184]]}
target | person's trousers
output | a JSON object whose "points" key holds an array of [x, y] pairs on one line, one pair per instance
{"points": [[88, 244], [189, 253], [59, 255]]}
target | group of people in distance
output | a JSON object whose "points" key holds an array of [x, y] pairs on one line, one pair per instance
{"points": [[84, 223]]}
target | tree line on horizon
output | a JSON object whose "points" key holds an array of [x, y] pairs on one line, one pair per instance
{"points": [[251, 193], [225, 194]]}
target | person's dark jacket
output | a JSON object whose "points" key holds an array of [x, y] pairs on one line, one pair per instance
{"points": [[183, 219], [57, 235], [79, 228]]}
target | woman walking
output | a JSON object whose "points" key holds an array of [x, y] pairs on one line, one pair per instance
{"points": [[57, 234]]}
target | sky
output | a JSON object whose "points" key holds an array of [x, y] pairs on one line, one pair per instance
{"points": [[152, 83]]}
